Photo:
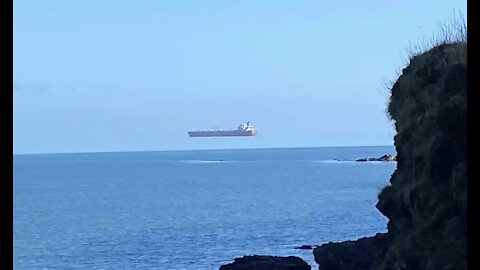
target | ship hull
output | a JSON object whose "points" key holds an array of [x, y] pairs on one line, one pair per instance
{"points": [[222, 133]]}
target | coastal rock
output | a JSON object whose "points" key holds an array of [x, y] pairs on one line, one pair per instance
{"points": [[259, 262], [382, 158], [352, 255], [426, 201], [305, 247]]}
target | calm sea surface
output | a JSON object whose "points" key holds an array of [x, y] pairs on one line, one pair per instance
{"points": [[190, 209]]}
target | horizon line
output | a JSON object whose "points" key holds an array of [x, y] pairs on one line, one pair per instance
{"points": [[188, 150]]}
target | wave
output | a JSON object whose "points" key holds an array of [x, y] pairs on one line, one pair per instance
{"points": [[334, 161], [347, 161], [196, 161]]}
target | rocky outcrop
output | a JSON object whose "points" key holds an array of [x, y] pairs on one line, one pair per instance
{"points": [[352, 255], [306, 247], [258, 262], [426, 201], [382, 158]]}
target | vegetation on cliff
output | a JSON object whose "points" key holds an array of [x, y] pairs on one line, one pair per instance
{"points": [[426, 202]]}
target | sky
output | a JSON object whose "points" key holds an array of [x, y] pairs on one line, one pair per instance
{"points": [[101, 76]]}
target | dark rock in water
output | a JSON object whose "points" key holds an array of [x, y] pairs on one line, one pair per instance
{"points": [[352, 255], [382, 158], [304, 247], [387, 158], [258, 262]]}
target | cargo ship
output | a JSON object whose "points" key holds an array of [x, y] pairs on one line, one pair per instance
{"points": [[242, 130]]}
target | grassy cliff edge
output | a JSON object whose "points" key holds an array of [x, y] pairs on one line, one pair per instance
{"points": [[426, 201]]}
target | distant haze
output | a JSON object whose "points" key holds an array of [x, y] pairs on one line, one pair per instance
{"points": [[137, 75]]}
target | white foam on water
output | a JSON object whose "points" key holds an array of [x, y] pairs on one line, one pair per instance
{"points": [[194, 161]]}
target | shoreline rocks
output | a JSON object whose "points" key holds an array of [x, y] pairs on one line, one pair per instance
{"points": [[382, 158], [360, 254], [306, 247], [263, 262]]}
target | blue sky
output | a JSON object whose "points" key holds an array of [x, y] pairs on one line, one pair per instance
{"points": [[137, 75]]}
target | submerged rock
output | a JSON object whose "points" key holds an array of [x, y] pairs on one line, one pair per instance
{"points": [[352, 255], [305, 247], [259, 262]]}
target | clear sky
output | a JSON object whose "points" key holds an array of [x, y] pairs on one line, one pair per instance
{"points": [[137, 75]]}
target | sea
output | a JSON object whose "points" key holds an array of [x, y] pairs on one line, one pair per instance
{"points": [[191, 209]]}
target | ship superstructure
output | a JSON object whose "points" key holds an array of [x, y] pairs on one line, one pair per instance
{"points": [[242, 130]]}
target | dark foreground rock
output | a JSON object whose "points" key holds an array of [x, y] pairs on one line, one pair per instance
{"points": [[258, 262], [305, 247], [352, 255], [382, 158]]}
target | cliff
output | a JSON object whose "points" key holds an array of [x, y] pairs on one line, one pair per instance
{"points": [[426, 201]]}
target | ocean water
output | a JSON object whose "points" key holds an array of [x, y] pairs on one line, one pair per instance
{"points": [[190, 209]]}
